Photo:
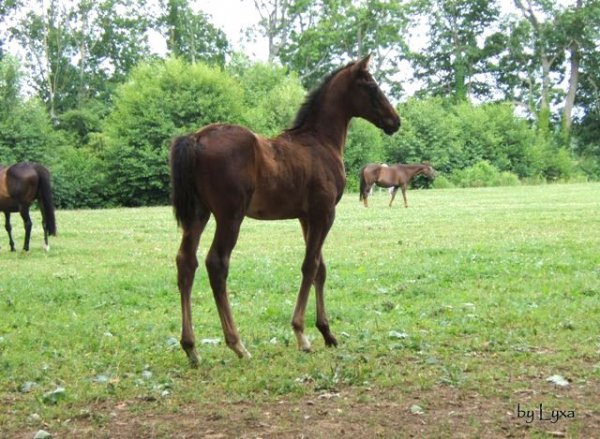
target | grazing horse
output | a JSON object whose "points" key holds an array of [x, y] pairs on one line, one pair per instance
{"points": [[394, 176], [231, 172], [20, 185]]}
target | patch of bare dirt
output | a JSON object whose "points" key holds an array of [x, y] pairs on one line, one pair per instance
{"points": [[439, 412]]}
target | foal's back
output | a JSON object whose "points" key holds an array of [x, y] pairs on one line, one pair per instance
{"points": [[264, 178]]}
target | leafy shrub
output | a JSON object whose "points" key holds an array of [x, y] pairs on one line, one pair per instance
{"points": [[79, 180], [162, 100], [441, 182], [483, 174], [456, 136], [272, 96], [363, 145]]}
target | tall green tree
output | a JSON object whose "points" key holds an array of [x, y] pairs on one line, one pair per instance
{"points": [[581, 24], [191, 35], [75, 51], [25, 130], [548, 45], [453, 62], [315, 37]]}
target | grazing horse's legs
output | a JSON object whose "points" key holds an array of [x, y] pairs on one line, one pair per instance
{"points": [[217, 265], [366, 194], [316, 230], [24, 211], [393, 195], [187, 262], [8, 228], [403, 187]]}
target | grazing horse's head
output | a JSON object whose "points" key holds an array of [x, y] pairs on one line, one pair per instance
{"points": [[429, 172], [366, 99]]}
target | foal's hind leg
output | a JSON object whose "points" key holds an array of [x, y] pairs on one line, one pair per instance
{"points": [[8, 228], [217, 265], [187, 262], [24, 211]]}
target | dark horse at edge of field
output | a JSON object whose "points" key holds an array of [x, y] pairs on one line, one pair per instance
{"points": [[20, 185], [231, 172], [394, 176]]}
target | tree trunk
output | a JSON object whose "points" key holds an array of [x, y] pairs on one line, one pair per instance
{"points": [[567, 118], [572, 90]]}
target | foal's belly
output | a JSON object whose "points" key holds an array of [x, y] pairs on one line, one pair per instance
{"points": [[273, 206]]}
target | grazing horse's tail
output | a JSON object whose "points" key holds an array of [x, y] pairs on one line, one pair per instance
{"points": [[363, 183], [184, 195], [45, 199]]}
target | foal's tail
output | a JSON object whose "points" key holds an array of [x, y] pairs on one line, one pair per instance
{"points": [[184, 195], [363, 183], [45, 199]]}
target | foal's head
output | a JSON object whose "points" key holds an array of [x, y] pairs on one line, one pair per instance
{"points": [[365, 99]]}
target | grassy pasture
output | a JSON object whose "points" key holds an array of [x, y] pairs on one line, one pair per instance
{"points": [[463, 305]]}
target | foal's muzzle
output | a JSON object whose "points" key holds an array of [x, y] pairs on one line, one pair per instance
{"points": [[391, 125]]}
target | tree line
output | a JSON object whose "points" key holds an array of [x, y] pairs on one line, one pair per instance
{"points": [[501, 96]]}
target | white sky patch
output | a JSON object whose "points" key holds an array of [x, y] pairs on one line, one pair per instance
{"points": [[233, 17]]}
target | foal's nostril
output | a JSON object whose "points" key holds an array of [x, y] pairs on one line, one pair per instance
{"points": [[393, 123]]}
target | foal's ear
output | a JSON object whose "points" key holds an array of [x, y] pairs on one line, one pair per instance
{"points": [[363, 64]]}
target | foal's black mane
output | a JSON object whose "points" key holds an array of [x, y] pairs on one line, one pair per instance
{"points": [[313, 100]]}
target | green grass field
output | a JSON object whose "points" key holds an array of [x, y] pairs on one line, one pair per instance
{"points": [[467, 301]]}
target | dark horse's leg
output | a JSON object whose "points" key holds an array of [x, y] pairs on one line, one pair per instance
{"points": [[187, 262], [24, 211], [319, 283], [8, 228], [313, 270], [217, 265]]}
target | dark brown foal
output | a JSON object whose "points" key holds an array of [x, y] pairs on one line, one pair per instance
{"points": [[231, 172]]}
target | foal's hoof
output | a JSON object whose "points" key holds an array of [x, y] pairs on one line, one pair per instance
{"points": [[193, 359], [241, 350], [303, 343], [331, 341]]}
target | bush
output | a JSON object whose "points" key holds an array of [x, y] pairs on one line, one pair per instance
{"points": [[483, 174], [441, 182], [363, 145], [272, 96], [158, 102], [79, 180], [455, 136]]}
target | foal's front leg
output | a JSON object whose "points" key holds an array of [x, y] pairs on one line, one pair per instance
{"points": [[313, 271], [322, 320]]}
